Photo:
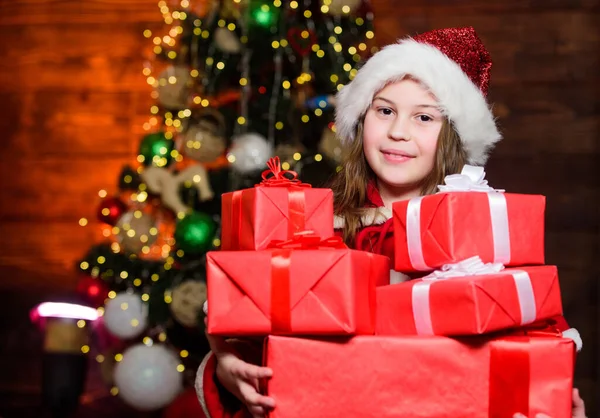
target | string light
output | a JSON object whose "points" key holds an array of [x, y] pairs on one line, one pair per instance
{"points": [[100, 358], [118, 357], [297, 156], [102, 193], [81, 323], [85, 349], [114, 391], [84, 265]]}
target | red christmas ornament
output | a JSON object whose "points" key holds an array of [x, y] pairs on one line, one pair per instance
{"points": [[95, 291], [185, 405], [111, 209]]}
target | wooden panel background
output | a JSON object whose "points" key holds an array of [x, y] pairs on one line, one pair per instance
{"points": [[74, 99]]}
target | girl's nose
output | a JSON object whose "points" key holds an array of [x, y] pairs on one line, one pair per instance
{"points": [[399, 129]]}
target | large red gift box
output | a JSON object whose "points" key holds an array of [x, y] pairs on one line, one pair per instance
{"points": [[371, 376], [443, 228], [276, 209], [470, 304], [293, 291]]}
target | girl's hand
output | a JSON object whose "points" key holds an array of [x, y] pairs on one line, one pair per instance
{"points": [[578, 405], [577, 412], [240, 378]]}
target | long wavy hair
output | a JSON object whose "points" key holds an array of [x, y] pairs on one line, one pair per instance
{"points": [[350, 184]]}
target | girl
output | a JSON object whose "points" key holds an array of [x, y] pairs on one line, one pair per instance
{"points": [[413, 114]]}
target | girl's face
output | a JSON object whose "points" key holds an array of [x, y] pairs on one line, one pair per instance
{"points": [[400, 135]]}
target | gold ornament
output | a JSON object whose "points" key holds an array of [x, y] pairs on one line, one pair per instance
{"points": [[337, 7], [232, 9], [175, 86], [188, 299], [166, 184], [330, 145], [204, 141], [227, 41], [134, 231], [286, 153]]}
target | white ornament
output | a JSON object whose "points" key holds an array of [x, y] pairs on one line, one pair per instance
{"points": [[147, 377], [126, 316], [161, 181], [336, 7], [250, 152], [227, 41]]}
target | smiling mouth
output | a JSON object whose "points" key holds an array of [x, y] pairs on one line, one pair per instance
{"points": [[396, 156]]}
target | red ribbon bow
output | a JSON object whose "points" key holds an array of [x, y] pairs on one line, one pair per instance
{"points": [[276, 177], [308, 240]]}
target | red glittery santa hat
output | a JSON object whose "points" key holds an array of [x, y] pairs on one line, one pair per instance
{"points": [[452, 63]]}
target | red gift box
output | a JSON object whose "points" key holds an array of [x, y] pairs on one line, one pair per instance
{"points": [[276, 209], [470, 304], [443, 228], [328, 291], [371, 376]]}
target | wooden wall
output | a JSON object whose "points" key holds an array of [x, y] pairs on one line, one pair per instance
{"points": [[74, 100]]}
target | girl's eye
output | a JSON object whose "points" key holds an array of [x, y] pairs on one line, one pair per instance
{"points": [[386, 111], [424, 118]]}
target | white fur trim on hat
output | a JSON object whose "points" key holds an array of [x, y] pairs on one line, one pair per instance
{"points": [[573, 334], [372, 216], [460, 99]]}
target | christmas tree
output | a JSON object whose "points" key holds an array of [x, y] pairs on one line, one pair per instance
{"points": [[235, 82]]}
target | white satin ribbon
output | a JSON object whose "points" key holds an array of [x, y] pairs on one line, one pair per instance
{"points": [[470, 267], [471, 179]]}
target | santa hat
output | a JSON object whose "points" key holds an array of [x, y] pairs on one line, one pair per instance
{"points": [[452, 63]]}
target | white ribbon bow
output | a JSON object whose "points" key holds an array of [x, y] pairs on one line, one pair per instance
{"points": [[470, 179], [470, 267]]}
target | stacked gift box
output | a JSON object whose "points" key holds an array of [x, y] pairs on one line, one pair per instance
{"points": [[342, 342]]}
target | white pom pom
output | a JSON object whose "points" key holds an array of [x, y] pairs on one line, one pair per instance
{"points": [[573, 334], [249, 152], [147, 377], [126, 316]]}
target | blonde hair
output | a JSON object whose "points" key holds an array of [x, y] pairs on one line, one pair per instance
{"points": [[350, 184]]}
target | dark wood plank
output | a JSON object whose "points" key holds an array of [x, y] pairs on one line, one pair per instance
{"points": [[546, 47], [444, 7]]}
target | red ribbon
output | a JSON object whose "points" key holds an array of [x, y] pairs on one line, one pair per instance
{"points": [[236, 219], [509, 378], [276, 177], [308, 240], [281, 315], [281, 308]]}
